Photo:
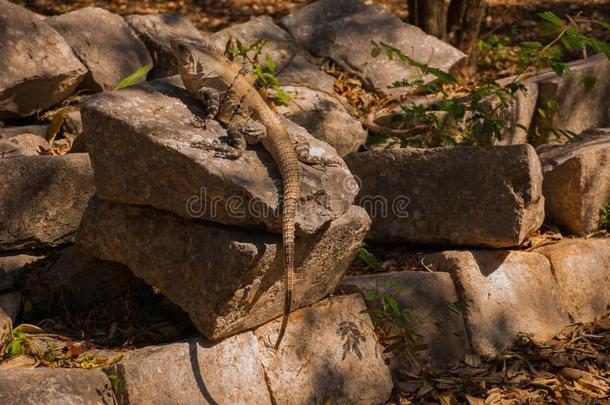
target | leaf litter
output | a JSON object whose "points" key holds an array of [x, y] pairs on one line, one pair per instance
{"points": [[571, 368]]}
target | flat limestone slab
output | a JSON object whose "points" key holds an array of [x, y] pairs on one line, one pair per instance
{"points": [[37, 67], [343, 30], [105, 44], [463, 196], [430, 296], [577, 181], [55, 386], [140, 140], [505, 293], [194, 372], [42, 199], [582, 270], [226, 278], [329, 353]]}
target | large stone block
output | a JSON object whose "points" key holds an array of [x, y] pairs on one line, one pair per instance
{"points": [[280, 46], [55, 386], [577, 181], [440, 332], [37, 67], [10, 305], [104, 43], [13, 269], [329, 354], [156, 31], [505, 293], [325, 117], [302, 72], [582, 270], [83, 280], [466, 196], [226, 278], [579, 107], [42, 199], [194, 372], [343, 30], [140, 141]]}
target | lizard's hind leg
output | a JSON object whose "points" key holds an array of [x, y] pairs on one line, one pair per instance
{"points": [[306, 154]]}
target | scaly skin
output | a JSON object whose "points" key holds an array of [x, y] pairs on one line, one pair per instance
{"points": [[231, 96]]}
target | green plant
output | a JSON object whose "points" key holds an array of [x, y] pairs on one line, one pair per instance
{"points": [[604, 218], [133, 78], [14, 342], [117, 384], [263, 72], [479, 117], [393, 324], [369, 258]]}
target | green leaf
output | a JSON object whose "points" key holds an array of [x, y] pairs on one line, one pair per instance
{"points": [[552, 19], [588, 82], [601, 23], [369, 258], [132, 78]]}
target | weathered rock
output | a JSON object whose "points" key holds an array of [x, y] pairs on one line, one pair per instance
{"points": [[38, 130], [343, 30], [23, 145], [579, 107], [329, 353], [42, 199], [430, 296], [582, 270], [301, 72], [577, 181], [9, 309], [517, 114], [194, 372], [13, 268], [505, 293], [83, 280], [156, 31], [37, 67], [325, 117], [55, 386], [140, 145], [227, 279], [280, 45], [467, 196], [111, 51]]}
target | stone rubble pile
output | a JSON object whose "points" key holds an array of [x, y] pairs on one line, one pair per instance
{"points": [[147, 208]]}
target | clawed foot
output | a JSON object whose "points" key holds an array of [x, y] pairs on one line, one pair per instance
{"points": [[199, 122], [220, 150], [321, 162]]}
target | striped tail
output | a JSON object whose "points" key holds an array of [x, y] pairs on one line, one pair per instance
{"points": [[289, 212]]}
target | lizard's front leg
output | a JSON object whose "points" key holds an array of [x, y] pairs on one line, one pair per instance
{"points": [[210, 98], [240, 133]]}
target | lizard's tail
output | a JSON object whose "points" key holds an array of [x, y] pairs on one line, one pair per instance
{"points": [[290, 204]]}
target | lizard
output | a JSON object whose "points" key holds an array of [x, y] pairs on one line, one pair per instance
{"points": [[229, 94]]}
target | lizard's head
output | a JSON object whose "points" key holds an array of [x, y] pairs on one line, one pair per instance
{"points": [[197, 59]]}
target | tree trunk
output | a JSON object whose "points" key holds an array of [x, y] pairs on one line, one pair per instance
{"points": [[430, 16], [459, 22], [464, 21]]}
